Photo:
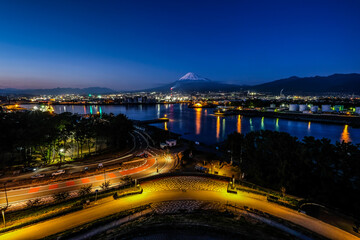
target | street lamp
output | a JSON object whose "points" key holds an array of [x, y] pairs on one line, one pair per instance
{"points": [[3, 215], [96, 192], [61, 154], [4, 208]]}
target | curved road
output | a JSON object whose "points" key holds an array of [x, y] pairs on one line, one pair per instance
{"points": [[153, 194], [150, 166]]}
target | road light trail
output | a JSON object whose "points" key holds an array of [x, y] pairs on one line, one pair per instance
{"points": [[147, 169], [21, 195]]}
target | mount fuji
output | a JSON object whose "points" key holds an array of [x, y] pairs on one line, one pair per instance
{"points": [[193, 77], [192, 82]]}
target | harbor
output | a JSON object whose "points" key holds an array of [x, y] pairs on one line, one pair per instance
{"points": [[202, 125]]}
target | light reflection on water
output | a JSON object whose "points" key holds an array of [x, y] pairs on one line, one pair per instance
{"points": [[345, 135], [238, 125], [217, 128], [198, 120], [223, 128], [202, 125]]}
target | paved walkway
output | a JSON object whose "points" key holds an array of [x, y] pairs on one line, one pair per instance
{"points": [[153, 195]]}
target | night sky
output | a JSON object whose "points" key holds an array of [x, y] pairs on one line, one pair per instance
{"points": [[137, 44]]}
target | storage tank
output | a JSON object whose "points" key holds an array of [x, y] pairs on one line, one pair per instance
{"points": [[314, 109], [338, 108], [303, 107], [294, 107], [357, 110], [326, 108]]}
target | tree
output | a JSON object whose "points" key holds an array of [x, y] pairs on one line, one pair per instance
{"points": [[105, 185], [33, 203], [127, 179], [118, 129], [30, 138], [312, 168], [283, 191], [80, 135], [61, 196], [85, 190]]}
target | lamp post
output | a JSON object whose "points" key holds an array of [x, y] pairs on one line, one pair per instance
{"points": [[96, 192], [3, 215], [7, 205], [61, 154]]}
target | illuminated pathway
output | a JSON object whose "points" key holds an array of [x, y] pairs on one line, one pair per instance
{"points": [[176, 188]]}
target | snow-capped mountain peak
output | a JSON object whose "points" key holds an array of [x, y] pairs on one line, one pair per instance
{"points": [[190, 76]]}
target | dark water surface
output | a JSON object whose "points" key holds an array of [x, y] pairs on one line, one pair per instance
{"points": [[203, 126]]}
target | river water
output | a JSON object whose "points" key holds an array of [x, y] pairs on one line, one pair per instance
{"points": [[203, 126]]}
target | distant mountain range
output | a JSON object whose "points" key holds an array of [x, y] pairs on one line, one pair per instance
{"points": [[57, 91], [336, 83], [191, 82]]}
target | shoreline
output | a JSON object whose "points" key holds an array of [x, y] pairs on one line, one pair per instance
{"points": [[106, 104], [353, 121]]}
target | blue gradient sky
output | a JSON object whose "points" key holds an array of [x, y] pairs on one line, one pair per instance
{"points": [[137, 44]]}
